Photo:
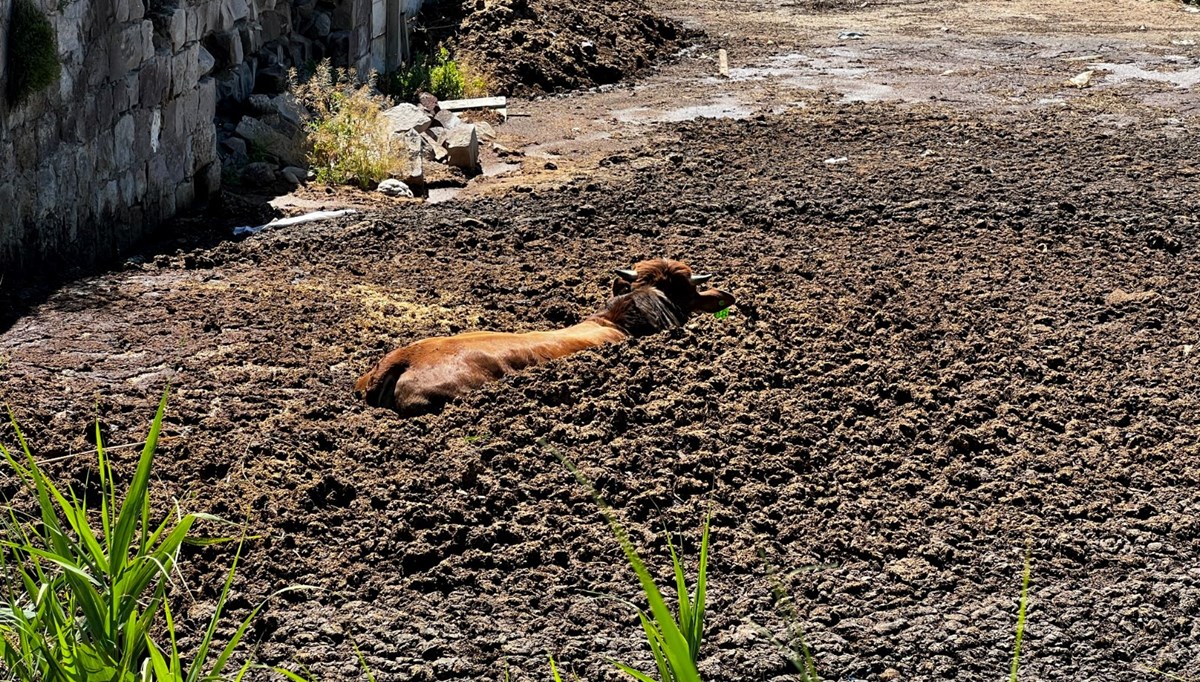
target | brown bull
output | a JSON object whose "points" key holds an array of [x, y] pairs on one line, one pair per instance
{"points": [[655, 295]]}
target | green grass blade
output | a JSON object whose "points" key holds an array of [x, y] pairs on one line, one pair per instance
{"points": [[553, 669], [288, 674], [206, 642], [654, 639], [681, 592], [697, 635], [635, 674], [367, 669], [134, 508], [675, 646], [1016, 660]]}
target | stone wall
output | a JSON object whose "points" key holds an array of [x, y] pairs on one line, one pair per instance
{"points": [[126, 138]]}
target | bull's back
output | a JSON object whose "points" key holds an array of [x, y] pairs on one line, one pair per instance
{"points": [[427, 374]]}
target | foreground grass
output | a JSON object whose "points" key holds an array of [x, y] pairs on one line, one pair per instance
{"points": [[84, 603]]}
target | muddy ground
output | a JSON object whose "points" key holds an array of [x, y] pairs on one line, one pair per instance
{"points": [[960, 328]]}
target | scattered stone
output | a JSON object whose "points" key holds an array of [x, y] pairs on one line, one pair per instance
{"points": [[890, 627], [485, 131], [295, 175], [405, 117], [413, 172], [1164, 241], [505, 152], [235, 151], [271, 141], [447, 119], [852, 35], [550, 165], [261, 104], [462, 143], [259, 174], [431, 149], [889, 674], [1121, 297], [394, 188], [429, 102]]}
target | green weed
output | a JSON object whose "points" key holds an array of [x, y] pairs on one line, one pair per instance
{"points": [[446, 78], [347, 137], [795, 646], [83, 603], [674, 643], [1016, 659]]}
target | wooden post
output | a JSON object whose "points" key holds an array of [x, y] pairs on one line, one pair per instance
{"points": [[723, 63]]}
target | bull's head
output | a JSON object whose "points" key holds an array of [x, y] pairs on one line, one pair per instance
{"points": [[677, 282]]}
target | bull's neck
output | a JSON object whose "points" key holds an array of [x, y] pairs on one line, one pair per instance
{"points": [[640, 313]]}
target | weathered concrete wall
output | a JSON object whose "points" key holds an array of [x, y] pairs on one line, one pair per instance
{"points": [[126, 138]]}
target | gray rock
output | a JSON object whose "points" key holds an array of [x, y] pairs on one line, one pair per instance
{"points": [[290, 176], [447, 119], [412, 169], [322, 24], [272, 79], [462, 143], [225, 47], [261, 104], [206, 62], [271, 141], [431, 149], [394, 188], [485, 131], [301, 174], [234, 150], [289, 109], [429, 102], [405, 117], [259, 174]]}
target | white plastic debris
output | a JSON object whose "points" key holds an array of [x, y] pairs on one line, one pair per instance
{"points": [[852, 35], [297, 220], [836, 160], [394, 188], [1083, 80]]}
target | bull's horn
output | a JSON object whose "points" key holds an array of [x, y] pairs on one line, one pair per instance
{"points": [[700, 279], [627, 275]]}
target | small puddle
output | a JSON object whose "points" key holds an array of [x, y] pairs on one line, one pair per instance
{"points": [[438, 195], [724, 107], [1120, 73], [499, 168], [840, 70]]}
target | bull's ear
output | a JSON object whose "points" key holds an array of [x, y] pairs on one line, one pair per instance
{"points": [[713, 300], [620, 287]]}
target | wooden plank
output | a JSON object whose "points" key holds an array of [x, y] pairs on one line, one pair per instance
{"points": [[723, 63], [476, 103]]}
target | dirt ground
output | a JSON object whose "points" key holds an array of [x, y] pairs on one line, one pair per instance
{"points": [[967, 320], [531, 47]]}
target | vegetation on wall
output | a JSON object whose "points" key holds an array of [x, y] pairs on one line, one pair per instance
{"points": [[32, 52]]}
